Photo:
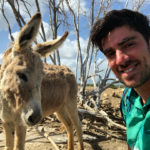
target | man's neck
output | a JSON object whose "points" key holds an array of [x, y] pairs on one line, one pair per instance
{"points": [[144, 91]]}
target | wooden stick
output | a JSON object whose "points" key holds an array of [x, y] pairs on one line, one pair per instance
{"points": [[41, 131]]}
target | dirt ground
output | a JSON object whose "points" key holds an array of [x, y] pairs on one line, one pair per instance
{"points": [[96, 134]]}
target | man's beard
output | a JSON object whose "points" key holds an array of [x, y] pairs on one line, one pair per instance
{"points": [[144, 77]]}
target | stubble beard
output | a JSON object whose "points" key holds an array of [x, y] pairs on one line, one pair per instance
{"points": [[144, 76]]}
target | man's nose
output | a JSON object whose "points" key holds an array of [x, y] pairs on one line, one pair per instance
{"points": [[121, 57]]}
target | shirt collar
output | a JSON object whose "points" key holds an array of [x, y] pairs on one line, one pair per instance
{"points": [[135, 99]]}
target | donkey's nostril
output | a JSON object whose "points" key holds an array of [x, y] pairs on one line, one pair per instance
{"points": [[34, 118], [31, 119]]}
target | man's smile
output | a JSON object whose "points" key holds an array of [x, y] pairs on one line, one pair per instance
{"points": [[129, 69]]}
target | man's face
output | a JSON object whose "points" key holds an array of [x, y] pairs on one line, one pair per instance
{"points": [[128, 56]]}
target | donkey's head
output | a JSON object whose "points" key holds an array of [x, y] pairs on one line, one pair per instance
{"points": [[22, 72]]}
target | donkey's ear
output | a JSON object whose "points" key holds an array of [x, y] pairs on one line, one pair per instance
{"points": [[27, 33], [47, 47]]}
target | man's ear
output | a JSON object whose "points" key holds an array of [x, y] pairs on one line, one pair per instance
{"points": [[47, 47]]}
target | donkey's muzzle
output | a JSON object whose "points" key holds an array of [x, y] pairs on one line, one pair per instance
{"points": [[33, 118], [32, 114]]}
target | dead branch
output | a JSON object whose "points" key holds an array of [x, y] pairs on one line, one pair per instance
{"points": [[9, 28], [101, 115], [16, 13], [76, 27], [41, 131], [24, 3]]}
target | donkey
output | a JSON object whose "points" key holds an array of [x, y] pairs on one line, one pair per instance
{"points": [[30, 89]]}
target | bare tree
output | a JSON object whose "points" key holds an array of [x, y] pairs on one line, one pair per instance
{"points": [[16, 12], [59, 17], [54, 12], [137, 4], [8, 24], [86, 60]]}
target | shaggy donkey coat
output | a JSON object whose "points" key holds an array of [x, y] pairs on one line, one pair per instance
{"points": [[30, 90]]}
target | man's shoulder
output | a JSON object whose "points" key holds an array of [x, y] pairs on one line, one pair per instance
{"points": [[130, 94], [125, 104], [126, 94]]}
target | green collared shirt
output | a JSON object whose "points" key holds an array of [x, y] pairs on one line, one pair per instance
{"points": [[137, 120]]}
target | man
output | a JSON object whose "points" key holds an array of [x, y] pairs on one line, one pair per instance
{"points": [[124, 38]]}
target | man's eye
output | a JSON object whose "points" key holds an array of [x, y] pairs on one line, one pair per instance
{"points": [[128, 45], [110, 54]]}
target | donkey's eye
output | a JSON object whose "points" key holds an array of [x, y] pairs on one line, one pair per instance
{"points": [[22, 76]]}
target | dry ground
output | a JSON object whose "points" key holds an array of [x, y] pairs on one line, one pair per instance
{"points": [[96, 134]]}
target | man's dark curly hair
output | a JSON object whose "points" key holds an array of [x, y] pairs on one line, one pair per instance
{"points": [[118, 18]]}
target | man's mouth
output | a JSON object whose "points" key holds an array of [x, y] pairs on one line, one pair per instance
{"points": [[128, 68]]}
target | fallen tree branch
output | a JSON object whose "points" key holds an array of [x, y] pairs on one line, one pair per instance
{"points": [[41, 131], [100, 115]]}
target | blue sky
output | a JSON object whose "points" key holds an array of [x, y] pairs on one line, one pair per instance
{"points": [[116, 4], [68, 50], [3, 40]]}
